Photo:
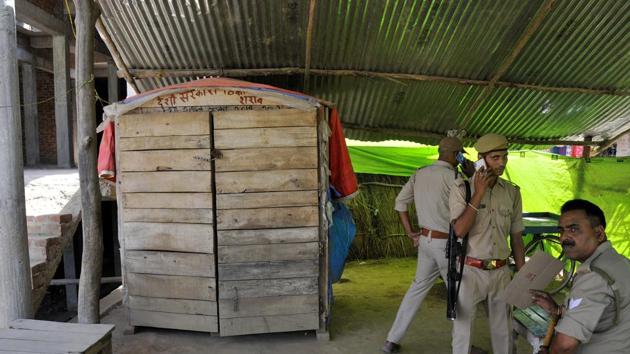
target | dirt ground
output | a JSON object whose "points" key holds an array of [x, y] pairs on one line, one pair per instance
{"points": [[47, 191], [365, 305]]}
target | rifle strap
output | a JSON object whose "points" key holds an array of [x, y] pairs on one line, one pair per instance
{"points": [[464, 242]]}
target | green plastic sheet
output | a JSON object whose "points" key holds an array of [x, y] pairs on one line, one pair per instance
{"points": [[546, 180]]}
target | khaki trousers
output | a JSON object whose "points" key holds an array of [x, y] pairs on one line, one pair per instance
{"points": [[431, 263], [478, 285]]}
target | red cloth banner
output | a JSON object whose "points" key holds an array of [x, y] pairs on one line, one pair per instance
{"points": [[342, 175]]}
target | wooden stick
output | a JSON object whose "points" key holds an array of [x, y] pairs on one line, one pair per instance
{"points": [[551, 326], [102, 31], [309, 42], [160, 73], [104, 280], [532, 27], [608, 143], [437, 136], [586, 153], [534, 24], [92, 260]]}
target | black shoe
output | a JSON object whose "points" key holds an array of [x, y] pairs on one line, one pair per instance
{"points": [[391, 347], [477, 350]]}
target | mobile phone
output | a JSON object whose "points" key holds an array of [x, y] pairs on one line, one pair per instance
{"points": [[460, 158], [479, 164]]}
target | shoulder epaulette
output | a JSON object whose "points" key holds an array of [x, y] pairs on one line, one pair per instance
{"points": [[512, 184]]}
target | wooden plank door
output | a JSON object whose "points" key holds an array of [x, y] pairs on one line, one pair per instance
{"points": [[167, 210], [267, 221]]}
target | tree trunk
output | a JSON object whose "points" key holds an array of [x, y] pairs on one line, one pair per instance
{"points": [[15, 272], [92, 259]]}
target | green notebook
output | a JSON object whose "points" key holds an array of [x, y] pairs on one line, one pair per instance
{"points": [[534, 318]]}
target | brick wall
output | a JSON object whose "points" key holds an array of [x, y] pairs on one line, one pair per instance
{"points": [[46, 113], [47, 236]]}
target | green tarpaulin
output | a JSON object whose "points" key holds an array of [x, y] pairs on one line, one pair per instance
{"points": [[546, 180]]}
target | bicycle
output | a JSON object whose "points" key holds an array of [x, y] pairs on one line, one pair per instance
{"points": [[551, 243]]}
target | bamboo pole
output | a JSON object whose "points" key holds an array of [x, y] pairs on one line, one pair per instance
{"points": [[104, 280], [120, 63], [410, 133], [92, 259], [160, 73], [527, 34], [309, 43], [15, 272], [608, 143]]}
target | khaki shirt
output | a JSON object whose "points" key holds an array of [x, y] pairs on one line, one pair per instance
{"points": [[590, 307], [429, 189], [500, 214]]}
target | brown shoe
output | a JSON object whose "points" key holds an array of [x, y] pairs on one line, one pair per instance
{"points": [[391, 347]]}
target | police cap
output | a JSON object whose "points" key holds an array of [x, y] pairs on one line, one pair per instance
{"points": [[450, 143], [491, 142]]}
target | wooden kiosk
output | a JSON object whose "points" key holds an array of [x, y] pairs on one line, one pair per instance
{"points": [[221, 189]]}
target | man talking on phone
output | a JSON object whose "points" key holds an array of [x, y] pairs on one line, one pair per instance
{"points": [[494, 211], [429, 188]]}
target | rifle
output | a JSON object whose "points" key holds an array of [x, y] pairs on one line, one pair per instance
{"points": [[454, 250]]}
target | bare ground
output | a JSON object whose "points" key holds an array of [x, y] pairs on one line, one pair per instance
{"points": [[366, 302]]}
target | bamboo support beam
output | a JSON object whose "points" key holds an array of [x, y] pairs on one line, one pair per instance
{"points": [[102, 31], [309, 43], [92, 259], [104, 280], [542, 12], [532, 27], [410, 133], [160, 73], [609, 142], [586, 153]]}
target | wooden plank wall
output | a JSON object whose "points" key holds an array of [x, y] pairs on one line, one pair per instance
{"points": [[166, 182], [267, 221]]}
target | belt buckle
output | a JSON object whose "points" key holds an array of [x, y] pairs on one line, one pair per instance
{"points": [[491, 264]]}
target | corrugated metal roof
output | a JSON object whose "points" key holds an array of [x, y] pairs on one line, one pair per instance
{"points": [[194, 34], [450, 38], [581, 44], [578, 45]]}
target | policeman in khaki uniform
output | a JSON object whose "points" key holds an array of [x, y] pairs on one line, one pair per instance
{"points": [[595, 318], [429, 189], [494, 211]]}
